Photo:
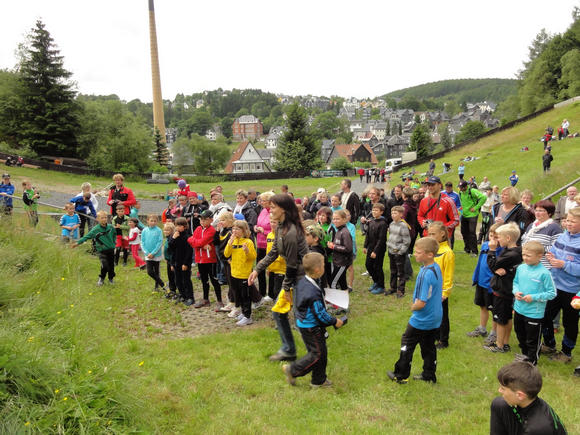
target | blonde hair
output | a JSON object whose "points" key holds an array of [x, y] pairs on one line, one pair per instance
{"points": [[312, 261], [243, 225], [153, 216], [438, 226], [118, 177], [398, 208], [535, 247], [574, 212], [226, 216], [266, 196], [511, 230], [242, 192], [102, 213], [428, 244], [341, 214], [494, 227], [86, 185], [513, 194], [169, 226]]}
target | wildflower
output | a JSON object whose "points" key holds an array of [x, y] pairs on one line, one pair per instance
{"points": [[38, 292], [141, 363], [27, 423], [91, 293], [62, 279], [30, 339], [72, 305], [58, 312], [57, 391], [89, 372], [65, 399]]}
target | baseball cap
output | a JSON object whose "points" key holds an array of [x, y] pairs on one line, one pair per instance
{"points": [[514, 171], [5, 175], [463, 183], [433, 179], [206, 214], [239, 217]]}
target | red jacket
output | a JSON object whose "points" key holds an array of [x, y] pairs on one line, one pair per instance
{"points": [[123, 194], [202, 237], [442, 209]]}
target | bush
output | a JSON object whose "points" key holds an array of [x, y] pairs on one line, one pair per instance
{"points": [[362, 164], [340, 163]]}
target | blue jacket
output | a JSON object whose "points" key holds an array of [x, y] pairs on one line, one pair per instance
{"points": [[482, 273], [537, 282], [309, 306], [6, 201], [152, 241], [567, 248], [81, 205]]}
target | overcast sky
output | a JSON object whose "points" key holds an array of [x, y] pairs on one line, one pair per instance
{"points": [[360, 48]]}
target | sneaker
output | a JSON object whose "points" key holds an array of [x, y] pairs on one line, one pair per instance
{"points": [[202, 303], [547, 350], [421, 378], [111, 281], [378, 291], [442, 345], [577, 371], [142, 267], [268, 300], [100, 282], [234, 313], [494, 348], [170, 295], [325, 384], [244, 322], [227, 308], [400, 295], [491, 338], [281, 356], [477, 332], [372, 287], [390, 292], [364, 274], [188, 302], [394, 377], [256, 305], [520, 357], [561, 356], [349, 289], [289, 378], [507, 348], [218, 306], [240, 316]]}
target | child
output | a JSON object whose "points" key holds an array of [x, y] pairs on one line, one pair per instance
{"points": [[341, 247], [375, 247], [243, 253], [350, 271], [398, 245], [104, 236], [182, 253], [324, 218], [312, 319], [135, 214], [314, 234], [134, 240], [503, 267], [83, 205], [167, 215], [335, 203], [445, 258], [69, 222], [120, 222], [168, 230], [226, 222], [30, 198], [520, 410], [423, 326], [183, 187], [152, 246], [533, 287], [514, 178], [483, 293], [276, 270], [202, 242]]}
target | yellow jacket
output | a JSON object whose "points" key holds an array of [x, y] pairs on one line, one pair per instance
{"points": [[242, 263], [279, 264], [445, 258]]}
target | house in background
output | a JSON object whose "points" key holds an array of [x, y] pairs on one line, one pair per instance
{"points": [[247, 127], [355, 152], [247, 159]]}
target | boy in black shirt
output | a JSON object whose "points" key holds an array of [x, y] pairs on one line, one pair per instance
{"points": [[520, 410], [121, 225], [375, 248]]}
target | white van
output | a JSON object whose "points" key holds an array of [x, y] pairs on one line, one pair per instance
{"points": [[392, 164]]}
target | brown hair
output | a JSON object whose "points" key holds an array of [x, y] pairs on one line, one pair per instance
{"points": [[312, 261], [181, 221], [521, 376], [243, 225], [428, 244], [438, 226]]}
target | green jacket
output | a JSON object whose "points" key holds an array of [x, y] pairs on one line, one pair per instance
{"points": [[105, 237], [471, 198]]}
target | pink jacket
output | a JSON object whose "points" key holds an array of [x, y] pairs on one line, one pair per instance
{"points": [[264, 222]]}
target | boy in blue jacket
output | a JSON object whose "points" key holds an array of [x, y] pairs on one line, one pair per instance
{"points": [[533, 288], [312, 319]]}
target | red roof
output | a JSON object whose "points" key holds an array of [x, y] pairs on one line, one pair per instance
{"points": [[349, 149], [236, 156]]}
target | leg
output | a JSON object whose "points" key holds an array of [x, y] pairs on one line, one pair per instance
{"points": [[204, 276], [246, 301], [262, 286], [444, 329], [110, 258], [533, 338], [171, 278], [521, 332], [473, 234], [393, 270], [552, 308], [570, 323], [288, 347], [350, 276], [370, 266], [315, 360], [464, 226], [379, 273], [217, 288], [401, 277], [429, 354], [409, 341]]}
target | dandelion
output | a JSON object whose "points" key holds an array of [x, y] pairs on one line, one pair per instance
{"points": [[62, 279], [72, 305], [89, 372], [58, 312], [64, 399], [141, 363], [91, 293], [27, 423], [30, 339], [38, 292], [57, 391]]}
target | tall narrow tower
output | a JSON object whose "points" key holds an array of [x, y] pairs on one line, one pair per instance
{"points": [[158, 117]]}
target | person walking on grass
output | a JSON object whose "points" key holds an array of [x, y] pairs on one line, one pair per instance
{"points": [[6, 194], [547, 159]]}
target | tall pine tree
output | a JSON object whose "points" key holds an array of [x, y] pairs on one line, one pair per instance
{"points": [[160, 153], [49, 115]]}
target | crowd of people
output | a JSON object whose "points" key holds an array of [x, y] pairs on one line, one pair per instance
{"points": [[526, 258]]}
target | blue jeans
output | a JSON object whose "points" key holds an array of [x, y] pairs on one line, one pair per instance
{"points": [[283, 324]]}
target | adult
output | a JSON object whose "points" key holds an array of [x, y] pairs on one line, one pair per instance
{"points": [[565, 127], [284, 188], [263, 228], [450, 193], [374, 197], [461, 170], [321, 201], [349, 200], [253, 200], [245, 208], [290, 244], [510, 210], [526, 200], [6, 193], [543, 229], [120, 195], [368, 175], [547, 161], [217, 206], [471, 201], [485, 184], [564, 204], [436, 207], [431, 170], [395, 199], [361, 173]]}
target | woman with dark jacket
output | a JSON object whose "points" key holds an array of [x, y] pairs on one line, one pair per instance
{"points": [[510, 210]]}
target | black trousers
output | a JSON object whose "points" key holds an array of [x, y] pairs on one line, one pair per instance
{"points": [[316, 359], [338, 277], [183, 282], [262, 284], [171, 278], [485, 224], [275, 281], [444, 328], [469, 233], [569, 321], [206, 274], [153, 272], [107, 259], [426, 341], [242, 295], [118, 255], [398, 276], [85, 220], [375, 268], [529, 333]]}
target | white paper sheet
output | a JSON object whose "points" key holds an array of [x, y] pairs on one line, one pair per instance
{"points": [[340, 298]]}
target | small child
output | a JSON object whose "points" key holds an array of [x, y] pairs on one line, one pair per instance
{"points": [[134, 213], [202, 242], [324, 219], [445, 258], [483, 292], [167, 215], [152, 247], [168, 230], [503, 267], [335, 203], [242, 251], [225, 224], [520, 410], [314, 234], [182, 253], [350, 271], [533, 287], [120, 222], [375, 247], [341, 248], [83, 206], [135, 242], [514, 178], [183, 187], [276, 270], [423, 326], [312, 319], [30, 198], [398, 245], [70, 222], [104, 236]]}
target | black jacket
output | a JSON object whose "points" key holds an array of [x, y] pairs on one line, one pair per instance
{"points": [[342, 252], [376, 239], [508, 259], [180, 250], [519, 215]]}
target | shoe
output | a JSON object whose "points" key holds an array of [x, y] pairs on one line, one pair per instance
{"points": [[349, 289], [577, 371], [561, 356], [111, 281], [188, 302], [390, 292], [364, 274], [477, 332], [240, 316], [325, 384], [227, 308], [279, 356], [421, 378], [393, 377], [100, 282], [378, 291], [547, 350], [142, 267], [202, 303], [520, 357], [507, 348], [218, 306], [289, 378], [442, 345], [234, 313], [268, 299], [494, 348], [373, 286], [491, 338], [244, 322], [170, 295], [256, 305], [400, 295]]}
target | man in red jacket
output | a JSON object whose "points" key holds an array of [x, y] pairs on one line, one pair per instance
{"points": [[435, 207], [120, 195]]}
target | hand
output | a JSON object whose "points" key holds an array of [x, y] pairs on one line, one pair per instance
{"points": [[231, 241], [498, 220], [184, 267], [74, 245], [339, 323], [472, 209], [172, 269], [501, 271], [150, 256], [518, 296], [245, 248], [443, 297], [252, 277], [492, 245], [558, 264], [373, 255], [330, 245], [121, 202], [176, 234], [365, 251], [259, 229], [288, 296], [527, 298], [206, 247], [363, 220]]}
